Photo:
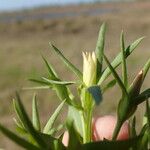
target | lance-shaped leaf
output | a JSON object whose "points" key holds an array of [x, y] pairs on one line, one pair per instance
{"points": [[18, 140], [148, 113], [117, 61], [112, 145], [27, 123], [18, 113], [67, 62], [58, 82], [142, 97], [35, 114], [19, 127], [133, 128], [39, 82], [124, 67], [96, 93], [36, 88], [116, 76], [146, 68], [133, 133], [100, 47], [51, 71], [52, 119]]}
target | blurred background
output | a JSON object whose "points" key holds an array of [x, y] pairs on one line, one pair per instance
{"points": [[26, 28]]}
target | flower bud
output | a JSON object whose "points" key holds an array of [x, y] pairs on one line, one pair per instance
{"points": [[89, 68]]}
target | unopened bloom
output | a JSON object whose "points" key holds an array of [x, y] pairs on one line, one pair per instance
{"points": [[89, 68]]}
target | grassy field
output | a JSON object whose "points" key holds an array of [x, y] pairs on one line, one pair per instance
{"points": [[23, 42]]}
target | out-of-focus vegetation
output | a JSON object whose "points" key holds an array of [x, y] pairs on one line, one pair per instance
{"points": [[22, 42]]}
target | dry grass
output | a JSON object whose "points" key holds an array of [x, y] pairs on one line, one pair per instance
{"points": [[21, 44]]}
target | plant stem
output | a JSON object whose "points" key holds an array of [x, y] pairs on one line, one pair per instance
{"points": [[89, 126], [83, 126], [117, 129], [86, 116]]}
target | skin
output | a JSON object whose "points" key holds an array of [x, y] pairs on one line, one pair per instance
{"points": [[103, 127]]}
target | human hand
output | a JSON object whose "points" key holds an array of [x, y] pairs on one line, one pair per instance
{"points": [[103, 127]]}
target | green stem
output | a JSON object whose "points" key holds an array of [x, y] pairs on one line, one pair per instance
{"points": [[83, 127], [86, 115], [89, 126], [117, 129]]}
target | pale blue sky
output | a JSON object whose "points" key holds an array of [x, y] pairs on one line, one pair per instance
{"points": [[19, 4]]}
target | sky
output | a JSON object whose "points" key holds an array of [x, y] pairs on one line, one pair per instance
{"points": [[6, 5]]}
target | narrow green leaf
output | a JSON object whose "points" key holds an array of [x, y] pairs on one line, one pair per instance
{"points": [[18, 140], [52, 73], [133, 128], [52, 119], [27, 123], [148, 114], [96, 93], [35, 114], [124, 67], [39, 81], [133, 46], [146, 68], [117, 61], [19, 126], [36, 88], [67, 62], [116, 76], [58, 82], [18, 113], [100, 46], [109, 85], [133, 133], [142, 97]]}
